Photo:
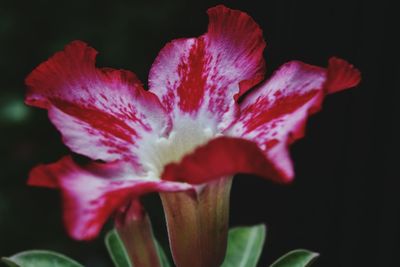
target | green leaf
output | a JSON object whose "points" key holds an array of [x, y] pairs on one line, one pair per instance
{"points": [[296, 258], [117, 250], [40, 258], [163, 257], [244, 246]]}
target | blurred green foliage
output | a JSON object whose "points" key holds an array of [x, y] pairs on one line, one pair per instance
{"points": [[13, 111]]}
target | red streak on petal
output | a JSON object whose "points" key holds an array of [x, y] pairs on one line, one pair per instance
{"points": [[271, 143], [193, 78], [281, 106], [97, 119]]}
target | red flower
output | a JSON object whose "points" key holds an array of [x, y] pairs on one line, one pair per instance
{"points": [[188, 129]]}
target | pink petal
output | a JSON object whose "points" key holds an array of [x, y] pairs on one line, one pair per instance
{"points": [[44, 175], [341, 75], [92, 193], [101, 113], [274, 114], [205, 74], [221, 157]]}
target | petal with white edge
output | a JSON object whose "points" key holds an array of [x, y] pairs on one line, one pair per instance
{"points": [[203, 76], [275, 113], [101, 113], [93, 192]]}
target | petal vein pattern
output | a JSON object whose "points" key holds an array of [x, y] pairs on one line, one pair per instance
{"points": [[101, 113], [203, 76]]}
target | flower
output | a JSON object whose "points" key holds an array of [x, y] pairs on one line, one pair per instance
{"points": [[198, 121]]}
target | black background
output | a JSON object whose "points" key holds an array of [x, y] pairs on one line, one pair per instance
{"points": [[344, 202]]}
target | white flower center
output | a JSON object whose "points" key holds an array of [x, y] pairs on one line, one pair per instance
{"points": [[186, 135]]}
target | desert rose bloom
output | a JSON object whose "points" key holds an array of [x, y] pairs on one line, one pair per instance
{"points": [[196, 126]]}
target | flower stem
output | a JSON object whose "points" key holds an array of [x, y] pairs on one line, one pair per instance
{"points": [[136, 232], [198, 224]]}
